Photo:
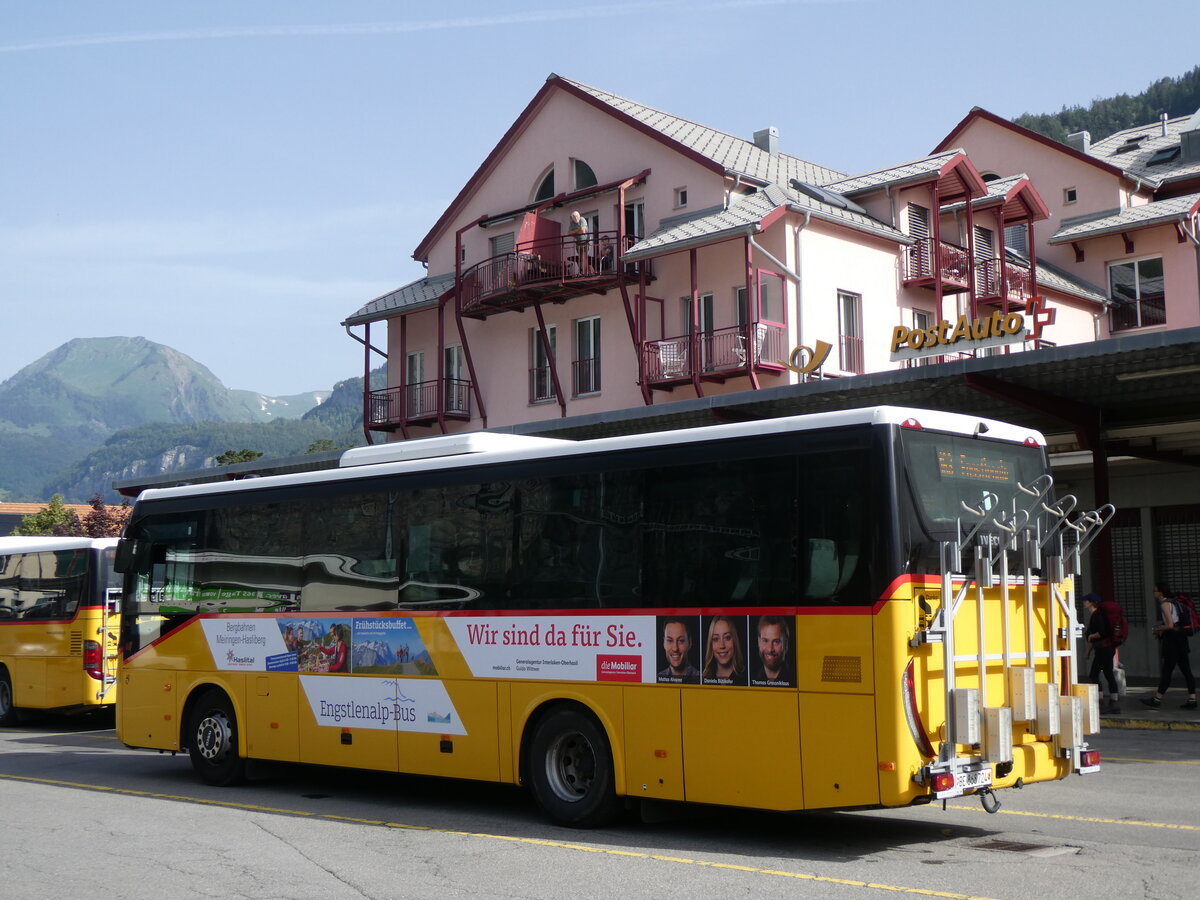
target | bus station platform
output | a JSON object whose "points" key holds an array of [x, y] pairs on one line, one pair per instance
{"points": [[1168, 717]]}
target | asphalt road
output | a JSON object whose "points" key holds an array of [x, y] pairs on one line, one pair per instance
{"points": [[81, 815]]}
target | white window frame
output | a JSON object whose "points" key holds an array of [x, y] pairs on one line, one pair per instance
{"points": [[849, 306], [587, 331], [539, 392]]}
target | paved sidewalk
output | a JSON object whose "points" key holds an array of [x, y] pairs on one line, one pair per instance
{"points": [[1168, 717]]}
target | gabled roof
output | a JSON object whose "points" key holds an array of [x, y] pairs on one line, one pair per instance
{"points": [[720, 152], [978, 113], [1114, 221], [1016, 194], [751, 214], [422, 292], [733, 154], [1146, 150], [941, 167]]}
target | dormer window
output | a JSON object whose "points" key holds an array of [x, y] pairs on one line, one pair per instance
{"points": [[1165, 155], [584, 176], [1131, 143], [545, 189]]}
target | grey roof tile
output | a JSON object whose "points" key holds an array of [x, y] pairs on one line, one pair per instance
{"points": [[1057, 279], [735, 154], [913, 170], [1124, 150], [424, 291], [709, 226], [1160, 212]]}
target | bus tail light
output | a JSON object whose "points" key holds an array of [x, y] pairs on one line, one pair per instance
{"points": [[943, 781], [93, 660], [1089, 758], [915, 726]]}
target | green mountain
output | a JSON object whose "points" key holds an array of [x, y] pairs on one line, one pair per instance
{"points": [[159, 448], [1173, 96], [60, 408]]}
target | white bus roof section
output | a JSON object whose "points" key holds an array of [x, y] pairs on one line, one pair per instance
{"points": [[445, 445], [34, 544], [525, 448]]}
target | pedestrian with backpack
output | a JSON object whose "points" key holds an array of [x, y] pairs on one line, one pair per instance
{"points": [[1173, 647], [1106, 630]]}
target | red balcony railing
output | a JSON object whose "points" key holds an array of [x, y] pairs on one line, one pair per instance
{"points": [[585, 376], [720, 351], [952, 264], [419, 402], [1141, 313], [1011, 282], [556, 267], [541, 384]]}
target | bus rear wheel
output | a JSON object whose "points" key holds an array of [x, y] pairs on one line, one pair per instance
{"points": [[8, 712], [213, 741], [571, 770]]}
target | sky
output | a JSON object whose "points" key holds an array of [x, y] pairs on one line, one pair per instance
{"points": [[234, 179]]}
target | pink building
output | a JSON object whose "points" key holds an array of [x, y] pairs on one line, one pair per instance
{"points": [[1122, 211], [709, 264]]}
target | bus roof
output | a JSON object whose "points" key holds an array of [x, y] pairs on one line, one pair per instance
{"points": [[37, 544], [488, 447]]}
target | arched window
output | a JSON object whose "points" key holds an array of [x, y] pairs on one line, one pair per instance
{"points": [[990, 176], [545, 189], [584, 176]]}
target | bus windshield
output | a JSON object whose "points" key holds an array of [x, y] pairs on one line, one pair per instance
{"points": [[946, 471]]}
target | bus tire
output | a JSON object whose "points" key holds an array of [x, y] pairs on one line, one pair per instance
{"points": [[571, 770], [213, 740], [8, 712]]}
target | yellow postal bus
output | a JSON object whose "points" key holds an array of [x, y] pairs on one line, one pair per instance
{"points": [[59, 601], [855, 609]]}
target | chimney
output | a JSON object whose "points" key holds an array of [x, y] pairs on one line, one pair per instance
{"points": [[1081, 141], [1162, 121], [768, 139], [1189, 139]]}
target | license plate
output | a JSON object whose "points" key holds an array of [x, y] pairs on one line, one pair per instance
{"points": [[970, 780]]}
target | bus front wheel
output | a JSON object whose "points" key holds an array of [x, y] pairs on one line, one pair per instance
{"points": [[571, 770], [8, 712], [213, 740]]}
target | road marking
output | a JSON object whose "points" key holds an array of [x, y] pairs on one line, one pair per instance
{"points": [[1165, 762], [1090, 819], [540, 842]]}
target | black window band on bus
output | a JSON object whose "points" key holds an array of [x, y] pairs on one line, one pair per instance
{"points": [[781, 520]]}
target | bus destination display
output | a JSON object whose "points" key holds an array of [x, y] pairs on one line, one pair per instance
{"points": [[973, 467]]}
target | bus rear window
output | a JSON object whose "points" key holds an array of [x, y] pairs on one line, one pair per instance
{"points": [[946, 471]]}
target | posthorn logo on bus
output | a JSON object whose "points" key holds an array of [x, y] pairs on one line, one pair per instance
{"points": [[618, 668]]}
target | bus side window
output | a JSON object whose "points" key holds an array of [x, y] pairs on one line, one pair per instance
{"points": [[835, 511]]}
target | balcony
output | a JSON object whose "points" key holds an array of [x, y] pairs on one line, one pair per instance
{"points": [[555, 269], [999, 284], [417, 404], [952, 266], [721, 354]]}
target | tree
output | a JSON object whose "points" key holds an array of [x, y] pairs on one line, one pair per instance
{"points": [[55, 520], [106, 521], [233, 457], [324, 445]]}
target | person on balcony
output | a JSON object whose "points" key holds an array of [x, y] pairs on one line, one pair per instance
{"points": [[607, 255], [578, 229]]}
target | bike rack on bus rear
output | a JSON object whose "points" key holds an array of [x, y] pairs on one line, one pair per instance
{"points": [[1054, 709]]}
